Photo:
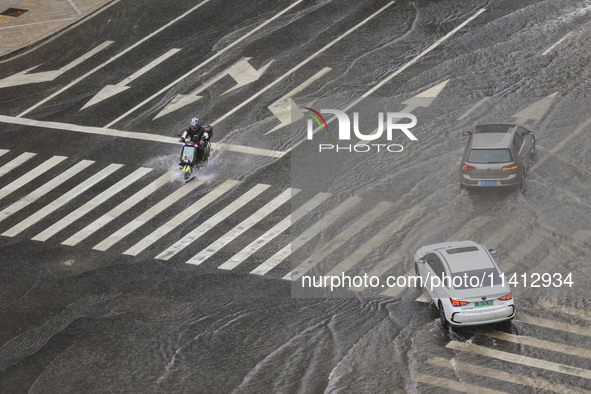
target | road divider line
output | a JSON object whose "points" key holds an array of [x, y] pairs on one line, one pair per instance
{"points": [[29, 176], [62, 200], [91, 205], [44, 189], [145, 217], [375, 241], [246, 224], [306, 236], [125, 51], [213, 221], [14, 163], [133, 135], [535, 382], [117, 211], [519, 359], [181, 217], [338, 241], [218, 54], [274, 231], [302, 63], [454, 385]]}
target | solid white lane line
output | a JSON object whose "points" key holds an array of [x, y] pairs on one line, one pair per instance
{"points": [[338, 241], [29, 176], [540, 343], [145, 217], [133, 135], [218, 54], [469, 228], [471, 109], [62, 200], [91, 205], [182, 217], [14, 163], [249, 222], [304, 62], [125, 51], [519, 359], [213, 221], [554, 325], [376, 240], [535, 382], [453, 385], [547, 51], [274, 231], [118, 210], [306, 236], [44, 189]]}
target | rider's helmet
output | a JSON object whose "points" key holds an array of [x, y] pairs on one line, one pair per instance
{"points": [[194, 123]]}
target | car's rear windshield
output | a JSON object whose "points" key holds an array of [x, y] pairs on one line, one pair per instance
{"points": [[493, 128], [489, 156], [484, 277]]}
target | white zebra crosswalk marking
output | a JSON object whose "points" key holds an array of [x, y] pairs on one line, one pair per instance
{"points": [[470, 227], [46, 188], [180, 218], [247, 223], [92, 204], [145, 217], [213, 221], [14, 163], [519, 359], [378, 239], [306, 236], [29, 176], [117, 211], [554, 325], [273, 232], [338, 241], [3, 152], [501, 234], [452, 384], [62, 200]]}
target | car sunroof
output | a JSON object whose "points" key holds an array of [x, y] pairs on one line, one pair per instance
{"points": [[462, 250]]}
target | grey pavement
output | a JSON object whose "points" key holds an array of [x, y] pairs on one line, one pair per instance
{"points": [[34, 20]]}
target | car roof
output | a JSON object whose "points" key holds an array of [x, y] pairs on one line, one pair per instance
{"points": [[493, 136]]}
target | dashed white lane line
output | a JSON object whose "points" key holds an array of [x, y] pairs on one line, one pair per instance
{"points": [[44, 189], [133, 135], [218, 54], [182, 217], [29, 176], [92, 204], [249, 222], [62, 200], [213, 221], [14, 163], [547, 51], [117, 211]]}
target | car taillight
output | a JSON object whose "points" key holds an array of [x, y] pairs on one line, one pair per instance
{"points": [[458, 303], [507, 297], [512, 166], [468, 167]]}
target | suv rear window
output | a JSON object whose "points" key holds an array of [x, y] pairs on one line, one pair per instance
{"points": [[489, 156]]}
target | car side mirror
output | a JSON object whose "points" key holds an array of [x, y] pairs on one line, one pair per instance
{"points": [[421, 261], [492, 251], [466, 133]]}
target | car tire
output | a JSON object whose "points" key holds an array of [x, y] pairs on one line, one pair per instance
{"points": [[444, 322]]}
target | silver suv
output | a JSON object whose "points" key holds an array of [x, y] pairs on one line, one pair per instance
{"points": [[497, 155]]}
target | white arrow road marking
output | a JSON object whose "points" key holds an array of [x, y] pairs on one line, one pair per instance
{"points": [[218, 54], [535, 111], [61, 201], [242, 72], [282, 108], [23, 78], [301, 64], [29, 176], [567, 35], [111, 90]]}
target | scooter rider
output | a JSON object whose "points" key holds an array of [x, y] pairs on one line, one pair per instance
{"points": [[197, 133]]}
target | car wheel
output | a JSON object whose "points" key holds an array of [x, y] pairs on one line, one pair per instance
{"points": [[444, 321]]}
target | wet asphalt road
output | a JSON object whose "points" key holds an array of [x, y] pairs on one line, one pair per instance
{"points": [[78, 319]]}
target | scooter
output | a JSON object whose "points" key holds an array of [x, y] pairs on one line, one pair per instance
{"points": [[193, 158]]}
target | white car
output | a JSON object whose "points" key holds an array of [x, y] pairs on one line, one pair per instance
{"points": [[465, 283]]}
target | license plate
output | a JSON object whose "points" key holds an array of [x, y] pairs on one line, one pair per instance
{"points": [[484, 303], [488, 183]]}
